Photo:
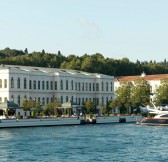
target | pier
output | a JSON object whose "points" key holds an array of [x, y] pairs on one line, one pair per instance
{"points": [[11, 123]]}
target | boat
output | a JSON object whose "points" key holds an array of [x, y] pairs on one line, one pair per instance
{"points": [[160, 118]]}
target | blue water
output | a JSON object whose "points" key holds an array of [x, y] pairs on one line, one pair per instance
{"points": [[87, 143]]}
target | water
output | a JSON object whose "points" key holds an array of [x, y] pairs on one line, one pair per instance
{"points": [[87, 143]]}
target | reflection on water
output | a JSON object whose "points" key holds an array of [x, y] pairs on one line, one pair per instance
{"points": [[108, 142]]}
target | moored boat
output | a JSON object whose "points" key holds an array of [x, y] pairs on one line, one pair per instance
{"points": [[160, 120]]}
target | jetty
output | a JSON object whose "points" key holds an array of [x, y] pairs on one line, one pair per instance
{"points": [[62, 121]]}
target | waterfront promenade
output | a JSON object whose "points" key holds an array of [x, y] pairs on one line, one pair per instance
{"points": [[12, 122]]}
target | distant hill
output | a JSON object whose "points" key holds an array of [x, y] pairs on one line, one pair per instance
{"points": [[94, 63]]}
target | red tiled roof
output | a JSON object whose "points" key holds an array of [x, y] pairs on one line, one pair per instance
{"points": [[146, 77]]}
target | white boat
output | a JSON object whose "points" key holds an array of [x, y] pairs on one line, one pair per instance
{"points": [[161, 118]]}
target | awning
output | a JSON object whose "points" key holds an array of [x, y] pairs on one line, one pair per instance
{"points": [[68, 105], [9, 105]]}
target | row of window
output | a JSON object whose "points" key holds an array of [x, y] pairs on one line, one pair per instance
{"points": [[46, 100], [53, 85]]}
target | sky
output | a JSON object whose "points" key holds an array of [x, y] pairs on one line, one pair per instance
{"points": [[135, 29]]}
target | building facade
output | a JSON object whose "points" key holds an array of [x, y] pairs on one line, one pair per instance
{"points": [[153, 80], [45, 84]]}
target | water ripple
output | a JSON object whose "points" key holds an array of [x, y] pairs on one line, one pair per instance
{"points": [[104, 143]]}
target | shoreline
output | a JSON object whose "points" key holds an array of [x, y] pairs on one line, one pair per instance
{"points": [[65, 121]]}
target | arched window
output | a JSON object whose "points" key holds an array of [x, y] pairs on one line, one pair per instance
{"points": [[106, 99], [39, 84], [90, 87], [93, 87], [106, 86], [55, 85], [72, 99], [71, 84], [12, 82], [97, 86], [47, 100], [34, 84], [83, 86], [61, 99], [12, 98], [86, 86], [66, 98], [18, 83], [18, 99], [66, 84], [51, 85], [79, 86], [43, 85], [47, 85], [102, 86], [76, 86], [25, 84], [61, 85], [43, 101], [102, 100], [111, 86], [30, 84]]}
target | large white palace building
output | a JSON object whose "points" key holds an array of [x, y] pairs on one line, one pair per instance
{"points": [[44, 84]]}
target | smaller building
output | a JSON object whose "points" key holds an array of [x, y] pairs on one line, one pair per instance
{"points": [[153, 80]]}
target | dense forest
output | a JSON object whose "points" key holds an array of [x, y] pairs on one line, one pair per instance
{"points": [[94, 63]]}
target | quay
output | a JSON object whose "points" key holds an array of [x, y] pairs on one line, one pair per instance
{"points": [[111, 119], [14, 123]]}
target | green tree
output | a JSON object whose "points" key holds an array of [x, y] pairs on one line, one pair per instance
{"points": [[108, 108], [140, 93], [123, 97], [37, 109], [162, 92], [31, 105], [113, 105], [43, 52], [94, 63], [48, 110], [27, 105], [103, 108], [87, 64], [26, 51], [52, 108], [89, 107], [55, 105]]}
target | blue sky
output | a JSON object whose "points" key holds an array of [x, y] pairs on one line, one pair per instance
{"points": [[136, 29]]}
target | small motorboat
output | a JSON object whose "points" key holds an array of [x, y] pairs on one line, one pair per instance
{"points": [[160, 120]]}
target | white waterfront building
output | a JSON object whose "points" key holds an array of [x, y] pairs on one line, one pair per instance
{"points": [[44, 84], [153, 80]]}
